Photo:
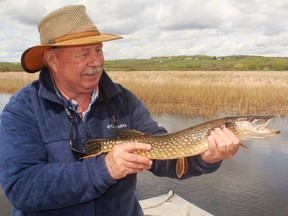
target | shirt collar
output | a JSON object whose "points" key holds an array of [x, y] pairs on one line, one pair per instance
{"points": [[73, 104]]}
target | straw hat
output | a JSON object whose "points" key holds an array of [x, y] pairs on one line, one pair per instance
{"points": [[66, 26]]}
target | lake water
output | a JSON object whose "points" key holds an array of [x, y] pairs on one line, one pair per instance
{"points": [[253, 182]]}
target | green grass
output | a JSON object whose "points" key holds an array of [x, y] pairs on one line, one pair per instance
{"points": [[200, 63], [10, 66], [187, 63]]}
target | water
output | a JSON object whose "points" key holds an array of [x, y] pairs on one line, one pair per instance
{"points": [[4, 98], [254, 182], [5, 208]]}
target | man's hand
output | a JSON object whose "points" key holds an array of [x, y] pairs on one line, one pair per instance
{"points": [[121, 161], [222, 144]]}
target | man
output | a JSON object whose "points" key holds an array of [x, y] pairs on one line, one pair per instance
{"points": [[44, 125]]}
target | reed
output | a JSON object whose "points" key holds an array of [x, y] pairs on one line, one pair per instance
{"points": [[209, 93], [10, 82], [196, 93]]}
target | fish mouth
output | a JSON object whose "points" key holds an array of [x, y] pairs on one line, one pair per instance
{"points": [[262, 126], [258, 128], [266, 130]]}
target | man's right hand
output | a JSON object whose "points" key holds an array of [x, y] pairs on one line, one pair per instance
{"points": [[121, 161]]}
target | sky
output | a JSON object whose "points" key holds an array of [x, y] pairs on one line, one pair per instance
{"points": [[153, 28]]}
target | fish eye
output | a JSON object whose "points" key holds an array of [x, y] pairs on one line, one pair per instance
{"points": [[250, 118]]}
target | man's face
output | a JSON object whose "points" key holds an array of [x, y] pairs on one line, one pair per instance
{"points": [[78, 69]]}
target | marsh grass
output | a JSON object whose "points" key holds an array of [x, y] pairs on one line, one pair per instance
{"points": [[196, 93], [206, 94], [10, 82]]}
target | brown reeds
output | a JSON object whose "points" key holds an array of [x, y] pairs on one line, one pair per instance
{"points": [[10, 82], [206, 94], [196, 93]]}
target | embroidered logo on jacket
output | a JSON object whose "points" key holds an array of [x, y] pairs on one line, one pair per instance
{"points": [[118, 126]]}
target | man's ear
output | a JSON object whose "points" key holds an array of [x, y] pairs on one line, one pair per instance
{"points": [[51, 59]]}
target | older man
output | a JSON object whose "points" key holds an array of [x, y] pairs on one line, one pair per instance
{"points": [[44, 125]]}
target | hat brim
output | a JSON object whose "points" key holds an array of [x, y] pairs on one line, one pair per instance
{"points": [[32, 58]]}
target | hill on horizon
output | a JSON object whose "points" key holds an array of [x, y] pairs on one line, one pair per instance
{"points": [[186, 63]]}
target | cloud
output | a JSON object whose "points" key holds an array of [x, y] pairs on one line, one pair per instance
{"points": [[160, 28], [185, 14]]}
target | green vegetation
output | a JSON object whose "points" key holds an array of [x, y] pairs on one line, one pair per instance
{"points": [[200, 63], [10, 66], [187, 63]]}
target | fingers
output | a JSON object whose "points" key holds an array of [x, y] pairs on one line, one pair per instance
{"points": [[121, 161], [136, 161], [131, 147], [222, 144], [226, 141]]}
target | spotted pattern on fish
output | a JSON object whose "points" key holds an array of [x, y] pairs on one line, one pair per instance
{"points": [[185, 143]]}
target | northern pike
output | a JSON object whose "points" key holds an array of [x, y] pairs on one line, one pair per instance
{"points": [[185, 143]]}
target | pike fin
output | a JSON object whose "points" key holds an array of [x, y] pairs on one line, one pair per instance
{"points": [[93, 147], [90, 155], [243, 146], [181, 166], [122, 134]]}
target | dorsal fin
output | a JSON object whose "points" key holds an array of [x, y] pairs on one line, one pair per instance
{"points": [[128, 133]]}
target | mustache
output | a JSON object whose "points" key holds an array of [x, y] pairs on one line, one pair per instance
{"points": [[92, 71]]}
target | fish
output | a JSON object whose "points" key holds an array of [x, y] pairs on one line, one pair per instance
{"points": [[185, 143]]}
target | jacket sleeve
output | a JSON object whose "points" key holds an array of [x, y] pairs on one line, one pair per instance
{"points": [[141, 120], [29, 181]]}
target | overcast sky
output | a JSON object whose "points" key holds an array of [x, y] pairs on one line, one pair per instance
{"points": [[160, 27]]}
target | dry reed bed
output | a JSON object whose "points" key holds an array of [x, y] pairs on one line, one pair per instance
{"points": [[196, 93], [205, 94], [10, 82]]}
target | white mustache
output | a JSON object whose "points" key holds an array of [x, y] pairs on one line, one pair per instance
{"points": [[92, 71]]}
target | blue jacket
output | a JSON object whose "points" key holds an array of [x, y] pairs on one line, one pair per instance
{"points": [[39, 173]]}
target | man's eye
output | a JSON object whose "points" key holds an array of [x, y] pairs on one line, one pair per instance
{"points": [[81, 54]]}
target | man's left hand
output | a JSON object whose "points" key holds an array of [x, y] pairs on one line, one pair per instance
{"points": [[222, 144]]}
